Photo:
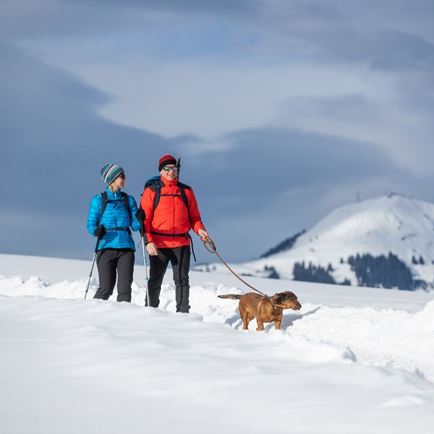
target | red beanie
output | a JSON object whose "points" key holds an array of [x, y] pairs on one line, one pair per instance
{"points": [[166, 159]]}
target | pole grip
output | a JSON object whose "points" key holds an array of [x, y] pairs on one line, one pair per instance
{"points": [[97, 244]]}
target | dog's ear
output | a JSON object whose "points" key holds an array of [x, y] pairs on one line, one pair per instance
{"points": [[274, 298], [278, 298], [290, 295]]}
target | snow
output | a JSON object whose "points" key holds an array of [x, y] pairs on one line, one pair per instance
{"points": [[391, 223], [353, 360]]}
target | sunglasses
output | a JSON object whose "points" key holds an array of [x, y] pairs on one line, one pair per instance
{"points": [[170, 168], [122, 175]]}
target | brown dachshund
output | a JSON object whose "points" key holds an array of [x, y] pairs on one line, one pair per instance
{"points": [[264, 309]]}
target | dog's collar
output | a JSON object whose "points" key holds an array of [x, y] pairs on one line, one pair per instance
{"points": [[273, 304], [280, 307]]}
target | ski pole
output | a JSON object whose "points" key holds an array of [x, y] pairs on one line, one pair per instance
{"points": [[93, 264], [145, 263]]}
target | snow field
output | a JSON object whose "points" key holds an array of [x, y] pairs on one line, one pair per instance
{"points": [[320, 333], [353, 360], [91, 367]]}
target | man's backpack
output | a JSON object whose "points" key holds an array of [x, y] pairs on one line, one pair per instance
{"points": [[155, 184]]}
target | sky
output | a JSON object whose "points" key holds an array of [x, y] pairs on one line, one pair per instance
{"points": [[281, 111]]}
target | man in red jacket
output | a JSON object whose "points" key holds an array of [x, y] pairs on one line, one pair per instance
{"points": [[171, 212]]}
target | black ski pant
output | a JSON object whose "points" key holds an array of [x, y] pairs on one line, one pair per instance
{"points": [[179, 257], [109, 262]]}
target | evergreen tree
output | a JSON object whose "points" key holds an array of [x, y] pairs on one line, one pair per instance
{"points": [[312, 273], [382, 271], [272, 272], [284, 245]]}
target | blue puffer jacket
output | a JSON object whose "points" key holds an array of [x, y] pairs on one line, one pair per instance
{"points": [[115, 215]]}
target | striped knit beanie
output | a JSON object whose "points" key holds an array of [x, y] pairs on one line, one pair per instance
{"points": [[110, 172]]}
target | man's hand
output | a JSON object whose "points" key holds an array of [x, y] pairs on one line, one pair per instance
{"points": [[203, 234], [152, 249], [140, 215]]}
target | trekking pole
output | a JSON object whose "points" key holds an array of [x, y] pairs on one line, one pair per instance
{"points": [[145, 263], [93, 264], [178, 165]]}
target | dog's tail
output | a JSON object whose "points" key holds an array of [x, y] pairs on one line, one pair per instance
{"points": [[231, 296]]}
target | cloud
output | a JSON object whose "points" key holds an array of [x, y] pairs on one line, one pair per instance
{"points": [[337, 68], [189, 6], [384, 34], [210, 99], [252, 185], [66, 18], [205, 99]]}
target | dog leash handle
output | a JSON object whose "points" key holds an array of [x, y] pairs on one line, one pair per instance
{"points": [[210, 245]]}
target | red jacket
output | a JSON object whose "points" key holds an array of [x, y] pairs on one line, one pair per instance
{"points": [[168, 225]]}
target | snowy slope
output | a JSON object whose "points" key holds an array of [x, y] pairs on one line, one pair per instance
{"points": [[391, 223], [353, 360]]}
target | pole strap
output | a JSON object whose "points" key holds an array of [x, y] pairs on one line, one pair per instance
{"points": [[192, 247]]}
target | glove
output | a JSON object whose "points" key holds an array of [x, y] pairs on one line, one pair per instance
{"points": [[99, 231], [141, 216]]}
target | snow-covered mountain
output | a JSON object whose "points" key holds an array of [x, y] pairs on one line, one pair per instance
{"points": [[391, 224]]}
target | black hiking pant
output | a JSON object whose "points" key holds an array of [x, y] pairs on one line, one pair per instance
{"points": [[109, 262], [179, 257]]}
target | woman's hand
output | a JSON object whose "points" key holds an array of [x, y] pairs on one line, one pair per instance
{"points": [[99, 231], [152, 249]]}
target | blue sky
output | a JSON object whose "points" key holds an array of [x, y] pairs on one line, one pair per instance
{"points": [[280, 110]]}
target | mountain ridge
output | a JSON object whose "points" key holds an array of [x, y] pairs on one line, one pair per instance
{"points": [[357, 243]]}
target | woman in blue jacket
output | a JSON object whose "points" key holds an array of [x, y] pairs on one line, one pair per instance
{"points": [[112, 215]]}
